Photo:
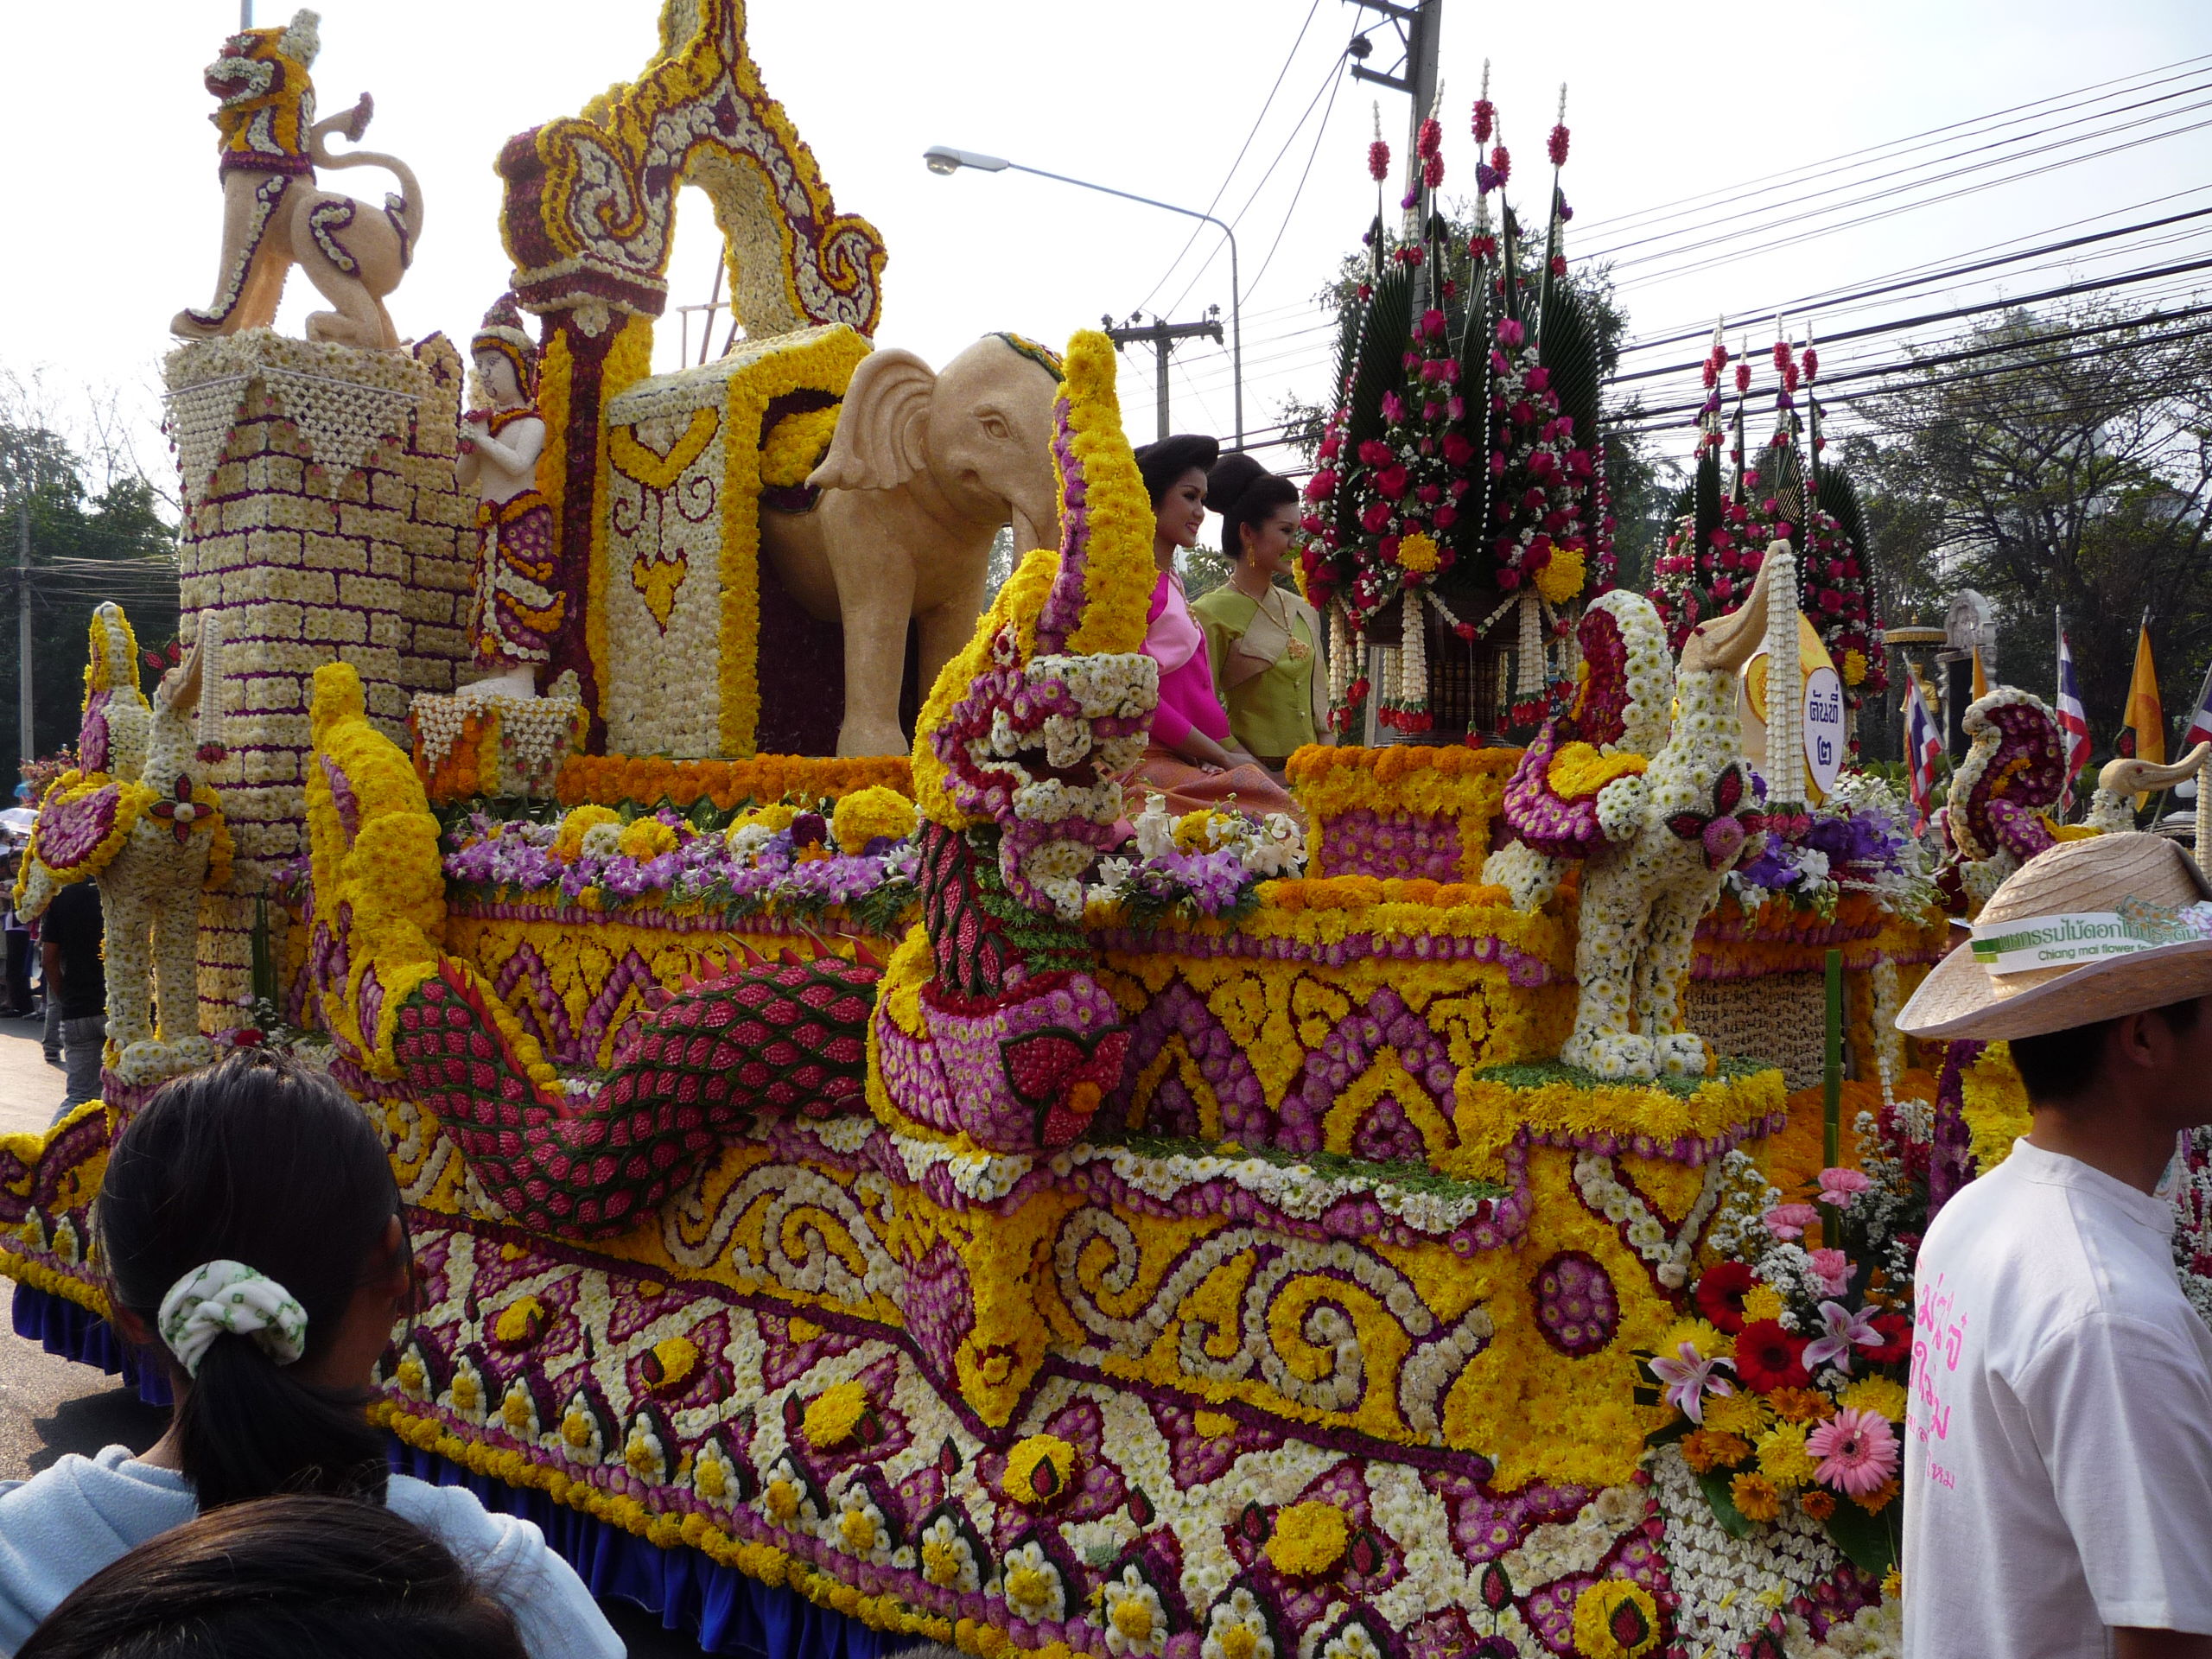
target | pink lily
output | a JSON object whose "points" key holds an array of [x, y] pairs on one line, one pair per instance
{"points": [[1842, 1329], [1689, 1379]]}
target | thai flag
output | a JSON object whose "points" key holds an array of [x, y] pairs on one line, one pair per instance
{"points": [[2200, 724], [2074, 720], [1924, 748]]}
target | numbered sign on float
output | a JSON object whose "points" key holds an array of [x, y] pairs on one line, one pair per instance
{"points": [[1825, 741], [1812, 661]]}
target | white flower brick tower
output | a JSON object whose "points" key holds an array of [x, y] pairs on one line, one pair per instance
{"points": [[322, 523]]}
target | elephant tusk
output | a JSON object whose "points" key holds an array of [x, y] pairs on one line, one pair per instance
{"points": [[2126, 776]]}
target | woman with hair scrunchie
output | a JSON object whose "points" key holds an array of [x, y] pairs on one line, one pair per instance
{"points": [[1263, 641], [1192, 759], [280, 1576], [252, 1234]]}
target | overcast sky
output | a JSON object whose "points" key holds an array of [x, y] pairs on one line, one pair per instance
{"points": [[117, 206]]}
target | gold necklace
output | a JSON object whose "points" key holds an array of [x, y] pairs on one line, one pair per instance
{"points": [[1296, 649]]}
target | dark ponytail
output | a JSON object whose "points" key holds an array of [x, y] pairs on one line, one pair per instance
{"points": [[279, 1577], [261, 1161], [1244, 493]]}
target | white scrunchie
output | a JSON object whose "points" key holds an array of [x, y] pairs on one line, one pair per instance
{"points": [[229, 1296]]}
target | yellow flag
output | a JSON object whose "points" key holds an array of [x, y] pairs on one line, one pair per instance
{"points": [[1981, 676], [2146, 716]]}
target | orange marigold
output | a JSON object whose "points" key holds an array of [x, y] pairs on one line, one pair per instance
{"points": [[1880, 1499], [1802, 1405], [1709, 1448], [1755, 1496], [1818, 1504]]}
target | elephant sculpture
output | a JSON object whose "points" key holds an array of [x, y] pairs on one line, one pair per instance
{"points": [[273, 215], [924, 468], [152, 834], [1644, 779]]}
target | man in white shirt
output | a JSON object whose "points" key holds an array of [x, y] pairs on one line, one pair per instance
{"points": [[2058, 1444]]}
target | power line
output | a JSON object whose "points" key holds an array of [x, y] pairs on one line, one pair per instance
{"points": [[2008, 150], [1257, 121], [1901, 146]]}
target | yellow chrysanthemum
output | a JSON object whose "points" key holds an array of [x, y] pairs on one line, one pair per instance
{"points": [[1740, 1412], [1761, 1302], [1878, 1393], [1615, 1620], [1308, 1539], [1704, 1338], [776, 815], [867, 814], [569, 842], [1854, 667], [1783, 1457], [833, 1415], [1562, 578], [1419, 552], [1038, 1470], [646, 838]]}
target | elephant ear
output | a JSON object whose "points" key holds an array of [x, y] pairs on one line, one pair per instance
{"points": [[883, 437]]}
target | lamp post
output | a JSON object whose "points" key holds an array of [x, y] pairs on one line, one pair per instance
{"points": [[943, 159]]}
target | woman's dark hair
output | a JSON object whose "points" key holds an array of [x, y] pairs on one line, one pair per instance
{"points": [[2060, 1065], [261, 1161], [1244, 493], [1164, 462], [278, 1578]]}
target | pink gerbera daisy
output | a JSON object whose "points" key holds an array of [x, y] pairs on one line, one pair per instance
{"points": [[1858, 1451]]}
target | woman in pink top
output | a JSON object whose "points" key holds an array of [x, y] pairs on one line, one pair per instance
{"points": [[1192, 759]]}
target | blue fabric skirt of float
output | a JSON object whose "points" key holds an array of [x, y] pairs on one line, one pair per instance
{"points": [[727, 1611]]}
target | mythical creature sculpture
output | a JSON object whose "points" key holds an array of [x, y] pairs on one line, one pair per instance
{"points": [[1998, 814], [141, 818], [273, 215], [2124, 780], [1657, 802]]}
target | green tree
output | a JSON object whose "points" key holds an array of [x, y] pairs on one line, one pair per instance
{"points": [[2059, 459], [85, 548]]}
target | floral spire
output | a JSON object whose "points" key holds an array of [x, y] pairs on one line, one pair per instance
{"points": [[1099, 601], [1708, 416]]}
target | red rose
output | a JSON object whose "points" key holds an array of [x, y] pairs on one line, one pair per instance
{"points": [[1720, 1294], [1768, 1357], [1391, 481]]}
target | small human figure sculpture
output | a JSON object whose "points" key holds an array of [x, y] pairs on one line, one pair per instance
{"points": [[518, 608]]}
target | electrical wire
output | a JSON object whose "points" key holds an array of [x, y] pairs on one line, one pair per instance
{"points": [[1257, 122]]}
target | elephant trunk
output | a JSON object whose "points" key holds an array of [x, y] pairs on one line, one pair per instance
{"points": [[1726, 643], [1030, 531]]}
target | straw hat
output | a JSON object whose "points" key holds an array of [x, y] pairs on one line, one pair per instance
{"points": [[2088, 931]]}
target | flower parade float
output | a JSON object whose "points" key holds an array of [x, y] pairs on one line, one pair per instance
{"points": [[868, 1198]]}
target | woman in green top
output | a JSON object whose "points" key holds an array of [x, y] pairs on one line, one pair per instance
{"points": [[1264, 642]]}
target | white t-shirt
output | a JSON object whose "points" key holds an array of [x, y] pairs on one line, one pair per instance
{"points": [[2058, 1443], [64, 1524]]}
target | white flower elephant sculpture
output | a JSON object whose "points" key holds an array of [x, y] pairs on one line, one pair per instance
{"points": [[154, 838], [923, 470]]}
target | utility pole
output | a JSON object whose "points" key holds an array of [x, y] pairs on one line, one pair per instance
{"points": [[23, 629], [1418, 28], [1161, 337]]}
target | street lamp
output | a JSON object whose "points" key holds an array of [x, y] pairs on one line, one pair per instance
{"points": [[943, 159]]}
